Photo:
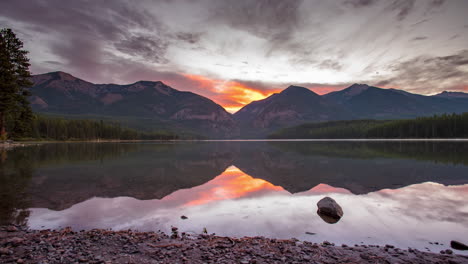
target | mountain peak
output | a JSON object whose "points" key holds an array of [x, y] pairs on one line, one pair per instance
{"points": [[292, 90], [357, 88], [143, 82], [63, 76]]}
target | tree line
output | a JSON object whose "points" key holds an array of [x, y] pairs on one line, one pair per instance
{"points": [[437, 126], [47, 128]]}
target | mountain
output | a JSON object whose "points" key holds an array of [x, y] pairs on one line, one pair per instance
{"points": [[372, 102], [144, 104], [292, 106]]}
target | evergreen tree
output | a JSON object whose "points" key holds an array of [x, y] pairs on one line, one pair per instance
{"points": [[14, 81]]}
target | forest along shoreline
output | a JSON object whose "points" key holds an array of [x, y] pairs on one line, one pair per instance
{"points": [[20, 245]]}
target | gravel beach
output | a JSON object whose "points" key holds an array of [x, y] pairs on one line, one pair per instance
{"points": [[105, 246]]}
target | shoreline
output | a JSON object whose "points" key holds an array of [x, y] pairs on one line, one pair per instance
{"points": [[12, 144], [19, 245]]}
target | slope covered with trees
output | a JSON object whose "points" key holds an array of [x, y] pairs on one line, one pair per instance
{"points": [[437, 126], [47, 128]]}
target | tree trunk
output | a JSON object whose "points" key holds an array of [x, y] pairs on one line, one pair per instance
{"points": [[2, 127]]}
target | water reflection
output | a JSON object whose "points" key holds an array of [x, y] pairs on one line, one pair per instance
{"points": [[236, 204], [391, 192]]}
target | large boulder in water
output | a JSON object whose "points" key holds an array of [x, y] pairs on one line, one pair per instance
{"points": [[329, 210], [458, 245]]}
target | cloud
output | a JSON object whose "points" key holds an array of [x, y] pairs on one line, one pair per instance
{"points": [[403, 8], [330, 64], [245, 50], [269, 19], [359, 3], [147, 47], [428, 74], [419, 38], [436, 3]]}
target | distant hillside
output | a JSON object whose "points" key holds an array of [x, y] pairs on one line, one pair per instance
{"points": [[444, 126], [144, 104], [294, 105]]}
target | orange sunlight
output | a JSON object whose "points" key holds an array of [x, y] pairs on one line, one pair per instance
{"points": [[231, 95], [231, 184]]}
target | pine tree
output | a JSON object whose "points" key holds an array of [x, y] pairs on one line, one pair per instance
{"points": [[14, 84]]}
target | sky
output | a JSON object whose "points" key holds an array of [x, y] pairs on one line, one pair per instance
{"points": [[235, 52]]}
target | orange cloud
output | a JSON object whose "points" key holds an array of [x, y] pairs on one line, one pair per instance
{"points": [[231, 184]]}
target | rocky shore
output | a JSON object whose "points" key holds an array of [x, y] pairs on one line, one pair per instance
{"points": [[104, 246]]}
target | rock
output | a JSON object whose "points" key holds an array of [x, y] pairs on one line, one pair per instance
{"points": [[12, 229], [183, 217], [458, 245], [4, 251], [329, 210], [15, 241]]}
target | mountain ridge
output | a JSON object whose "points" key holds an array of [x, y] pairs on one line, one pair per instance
{"points": [[160, 106]]}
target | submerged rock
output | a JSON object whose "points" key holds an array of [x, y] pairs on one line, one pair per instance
{"points": [[458, 245], [329, 210]]}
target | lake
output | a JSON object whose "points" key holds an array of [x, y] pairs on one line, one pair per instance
{"points": [[404, 193]]}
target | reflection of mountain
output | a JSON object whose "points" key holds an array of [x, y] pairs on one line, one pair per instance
{"points": [[66, 174], [358, 167], [146, 172]]}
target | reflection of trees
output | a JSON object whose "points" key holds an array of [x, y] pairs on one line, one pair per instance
{"points": [[18, 165], [15, 175], [438, 152]]}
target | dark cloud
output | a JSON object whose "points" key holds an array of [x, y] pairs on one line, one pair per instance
{"points": [[274, 20], [426, 74], [436, 3], [147, 47], [331, 64], [54, 62], [81, 34], [402, 7], [419, 22], [188, 37], [359, 3], [419, 38]]}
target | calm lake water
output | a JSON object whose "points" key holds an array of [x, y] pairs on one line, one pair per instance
{"points": [[409, 194]]}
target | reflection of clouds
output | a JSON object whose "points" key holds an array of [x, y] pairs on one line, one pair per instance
{"points": [[235, 204], [429, 201]]}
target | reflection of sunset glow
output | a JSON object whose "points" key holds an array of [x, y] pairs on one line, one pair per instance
{"points": [[232, 95], [325, 188], [231, 184]]}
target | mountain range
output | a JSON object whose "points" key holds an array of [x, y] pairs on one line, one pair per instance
{"points": [[153, 106], [143, 105]]}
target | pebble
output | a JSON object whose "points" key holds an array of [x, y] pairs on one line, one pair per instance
{"points": [[11, 229]]}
